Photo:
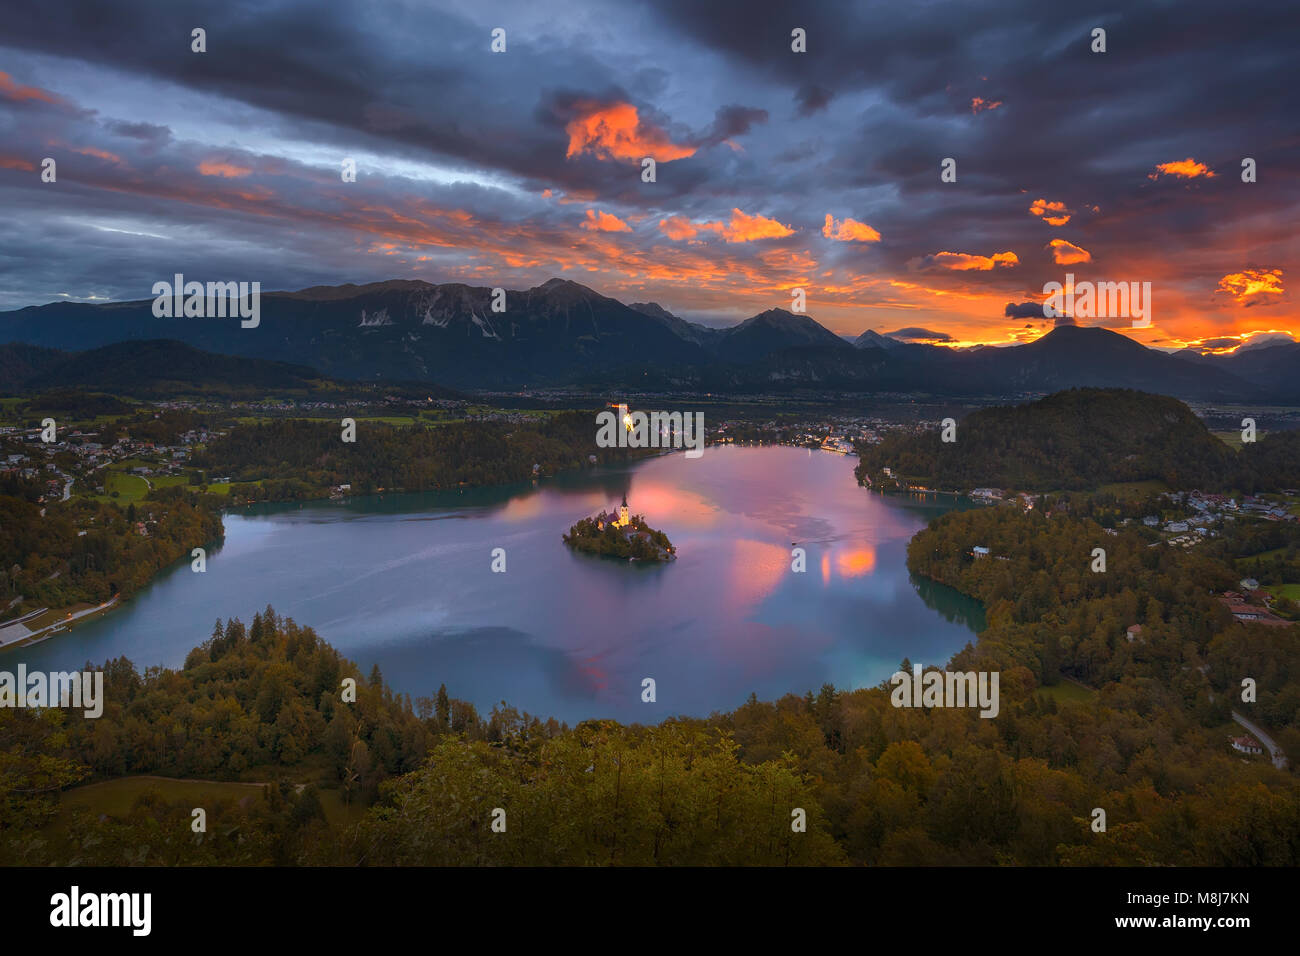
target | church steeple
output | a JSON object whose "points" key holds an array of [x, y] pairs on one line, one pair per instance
{"points": [[622, 513]]}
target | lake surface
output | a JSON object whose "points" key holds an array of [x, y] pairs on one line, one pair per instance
{"points": [[405, 581]]}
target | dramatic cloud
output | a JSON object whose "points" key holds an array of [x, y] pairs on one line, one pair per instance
{"points": [[1252, 286], [1184, 169], [615, 131], [1023, 310], [741, 228], [598, 221], [481, 168], [965, 262], [1052, 213], [1067, 253], [849, 230]]}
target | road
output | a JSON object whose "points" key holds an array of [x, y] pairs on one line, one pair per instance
{"points": [[1279, 758]]}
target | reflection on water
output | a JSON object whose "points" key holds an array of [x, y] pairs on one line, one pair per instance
{"points": [[405, 581]]}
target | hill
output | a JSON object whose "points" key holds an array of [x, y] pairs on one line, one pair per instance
{"points": [[1074, 440]]}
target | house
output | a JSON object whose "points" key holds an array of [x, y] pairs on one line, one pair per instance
{"points": [[1151, 521], [1134, 632], [980, 551], [1246, 745], [1247, 612], [1249, 584], [988, 494], [1176, 526]]}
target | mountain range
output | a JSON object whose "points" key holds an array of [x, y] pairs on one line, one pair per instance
{"points": [[562, 333]]}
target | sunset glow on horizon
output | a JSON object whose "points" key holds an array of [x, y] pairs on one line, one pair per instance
{"points": [[769, 176]]}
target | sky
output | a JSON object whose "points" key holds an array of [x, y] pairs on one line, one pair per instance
{"points": [[775, 169]]}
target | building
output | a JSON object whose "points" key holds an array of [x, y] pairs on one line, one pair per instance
{"points": [[980, 551], [988, 494], [1134, 632], [1246, 745], [1249, 584], [623, 519]]}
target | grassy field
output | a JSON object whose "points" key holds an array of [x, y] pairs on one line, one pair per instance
{"points": [[116, 797], [1067, 693], [1130, 490], [128, 487], [1291, 591]]}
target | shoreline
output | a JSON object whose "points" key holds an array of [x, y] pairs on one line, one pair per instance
{"points": [[16, 634]]}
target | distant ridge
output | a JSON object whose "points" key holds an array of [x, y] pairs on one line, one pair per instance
{"points": [[563, 333]]}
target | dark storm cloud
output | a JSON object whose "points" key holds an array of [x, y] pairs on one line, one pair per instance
{"points": [[1023, 310], [812, 98], [919, 334], [298, 85]]}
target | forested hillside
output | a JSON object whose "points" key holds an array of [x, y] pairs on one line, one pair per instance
{"points": [[1080, 439], [876, 784]]}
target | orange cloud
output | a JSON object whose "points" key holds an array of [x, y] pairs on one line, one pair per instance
{"points": [[212, 167], [965, 262], [604, 222], [678, 228], [742, 228], [978, 103], [99, 154], [1059, 215], [1183, 168], [1067, 253], [12, 91], [14, 162], [746, 228], [617, 132], [1252, 286], [849, 230]]}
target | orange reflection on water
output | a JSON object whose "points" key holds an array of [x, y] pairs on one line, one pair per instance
{"points": [[665, 506], [856, 563], [756, 569]]}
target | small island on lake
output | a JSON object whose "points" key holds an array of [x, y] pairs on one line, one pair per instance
{"points": [[620, 536]]}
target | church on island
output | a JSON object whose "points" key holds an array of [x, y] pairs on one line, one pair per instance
{"points": [[605, 518], [621, 535]]}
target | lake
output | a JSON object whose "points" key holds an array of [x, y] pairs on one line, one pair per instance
{"points": [[405, 581]]}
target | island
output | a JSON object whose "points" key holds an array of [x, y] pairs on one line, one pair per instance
{"points": [[620, 536]]}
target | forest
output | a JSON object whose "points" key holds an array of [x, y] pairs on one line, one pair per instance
{"points": [[306, 458], [873, 784]]}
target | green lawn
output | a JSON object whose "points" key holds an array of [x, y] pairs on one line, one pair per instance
{"points": [[1135, 489], [1291, 591], [116, 797], [1067, 693], [128, 487]]}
